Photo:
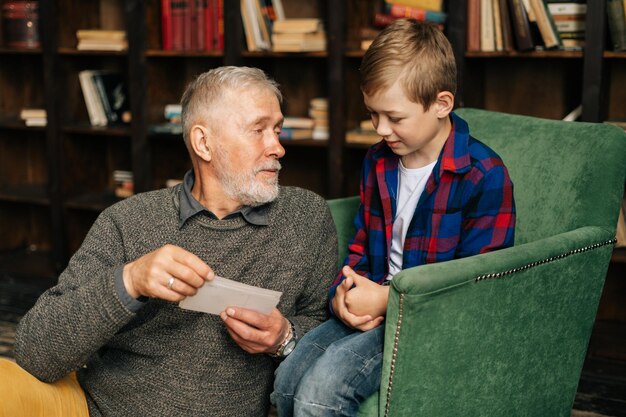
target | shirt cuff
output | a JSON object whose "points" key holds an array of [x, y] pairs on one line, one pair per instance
{"points": [[129, 302]]}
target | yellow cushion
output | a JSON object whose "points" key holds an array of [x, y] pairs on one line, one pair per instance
{"points": [[23, 395]]}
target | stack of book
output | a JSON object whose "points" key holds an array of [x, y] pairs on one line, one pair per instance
{"points": [[172, 126], [295, 128], [364, 134], [569, 18], [124, 184], [106, 97], [34, 117], [298, 35], [101, 40], [506, 25], [318, 111], [192, 25]]}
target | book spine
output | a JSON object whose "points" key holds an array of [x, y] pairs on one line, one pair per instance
{"points": [[399, 10], [567, 8], [617, 29], [521, 25], [546, 27], [178, 23], [166, 24], [208, 25], [473, 25], [104, 99], [434, 5], [219, 25], [200, 24], [507, 30], [497, 25], [487, 39], [189, 25]]}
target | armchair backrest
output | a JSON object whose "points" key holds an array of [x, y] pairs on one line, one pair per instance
{"points": [[553, 165]]}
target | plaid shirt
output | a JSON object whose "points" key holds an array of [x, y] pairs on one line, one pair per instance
{"points": [[466, 208]]}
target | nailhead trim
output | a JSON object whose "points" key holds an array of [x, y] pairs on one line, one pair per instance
{"points": [[502, 274], [495, 275], [396, 340]]}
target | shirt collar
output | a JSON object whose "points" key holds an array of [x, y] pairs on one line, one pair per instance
{"points": [[189, 206]]}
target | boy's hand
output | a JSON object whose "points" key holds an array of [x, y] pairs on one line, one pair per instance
{"points": [[361, 322], [367, 297]]}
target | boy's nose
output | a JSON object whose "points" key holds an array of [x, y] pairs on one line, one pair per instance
{"points": [[383, 128]]}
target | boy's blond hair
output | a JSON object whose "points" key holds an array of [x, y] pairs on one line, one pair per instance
{"points": [[416, 53]]}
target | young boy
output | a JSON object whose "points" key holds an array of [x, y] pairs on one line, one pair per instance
{"points": [[429, 193]]}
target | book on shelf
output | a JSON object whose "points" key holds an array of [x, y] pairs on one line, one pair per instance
{"points": [[192, 25], [521, 26], [487, 34], [34, 116], [292, 133], [473, 25], [434, 5], [106, 97], [298, 25], [20, 24], [547, 28], [507, 30], [298, 122], [400, 10], [615, 10], [497, 26], [257, 34], [101, 40]]}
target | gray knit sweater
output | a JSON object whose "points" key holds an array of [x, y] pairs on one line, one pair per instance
{"points": [[163, 360]]}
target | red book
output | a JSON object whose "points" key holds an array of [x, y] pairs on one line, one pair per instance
{"points": [[189, 25], [473, 25], [200, 24], [209, 11], [166, 24], [178, 23], [382, 20], [219, 40]]}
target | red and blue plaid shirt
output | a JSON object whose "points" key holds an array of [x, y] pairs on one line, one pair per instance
{"points": [[466, 208]]}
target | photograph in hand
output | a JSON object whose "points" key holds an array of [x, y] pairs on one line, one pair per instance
{"points": [[218, 294]]}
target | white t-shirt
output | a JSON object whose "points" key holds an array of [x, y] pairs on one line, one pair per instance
{"points": [[411, 184]]}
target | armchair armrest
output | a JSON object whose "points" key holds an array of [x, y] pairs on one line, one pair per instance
{"points": [[496, 333]]}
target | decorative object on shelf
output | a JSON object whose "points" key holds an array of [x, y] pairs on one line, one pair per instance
{"points": [[124, 185], [20, 23]]}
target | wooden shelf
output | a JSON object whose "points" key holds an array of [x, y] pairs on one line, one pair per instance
{"points": [[159, 53], [86, 129], [92, 201], [18, 124], [34, 194], [270, 54], [29, 262], [76, 52], [528, 54], [20, 51]]}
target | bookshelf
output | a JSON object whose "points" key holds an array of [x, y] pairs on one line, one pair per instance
{"points": [[55, 180]]}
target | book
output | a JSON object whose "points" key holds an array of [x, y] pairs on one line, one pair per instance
{"points": [[31, 113], [95, 110], [434, 5], [300, 25], [166, 25], [362, 136], [299, 42], [400, 10], [487, 35], [292, 133], [546, 25], [567, 8], [617, 24], [113, 95], [473, 25], [298, 122], [507, 30], [521, 26], [497, 25]]}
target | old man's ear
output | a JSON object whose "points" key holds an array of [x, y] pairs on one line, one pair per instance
{"points": [[199, 142]]}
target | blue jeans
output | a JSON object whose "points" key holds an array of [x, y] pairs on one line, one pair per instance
{"points": [[332, 370]]}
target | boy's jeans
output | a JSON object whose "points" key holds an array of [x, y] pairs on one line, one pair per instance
{"points": [[330, 373]]}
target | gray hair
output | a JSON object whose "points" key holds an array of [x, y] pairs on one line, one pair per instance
{"points": [[202, 94]]}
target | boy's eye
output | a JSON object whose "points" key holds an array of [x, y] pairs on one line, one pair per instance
{"points": [[394, 119]]}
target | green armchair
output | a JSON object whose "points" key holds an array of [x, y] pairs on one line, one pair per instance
{"points": [[505, 333]]}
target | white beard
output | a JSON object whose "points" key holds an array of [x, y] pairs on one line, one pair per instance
{"points": [[244, 186]]}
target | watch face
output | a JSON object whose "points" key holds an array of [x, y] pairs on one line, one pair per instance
{"points": [[288, 348]]}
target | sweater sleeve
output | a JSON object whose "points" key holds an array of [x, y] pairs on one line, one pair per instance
{"points": [[72, 320], [322, 265]]}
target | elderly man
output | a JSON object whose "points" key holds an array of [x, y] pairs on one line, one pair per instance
{"points": [[114, 317]]}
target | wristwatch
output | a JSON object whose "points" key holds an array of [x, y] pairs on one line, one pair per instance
{"points": [[288, 344]]}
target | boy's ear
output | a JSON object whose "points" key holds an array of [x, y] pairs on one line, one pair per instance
{"points": [[444, 103], [199, 142]]}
